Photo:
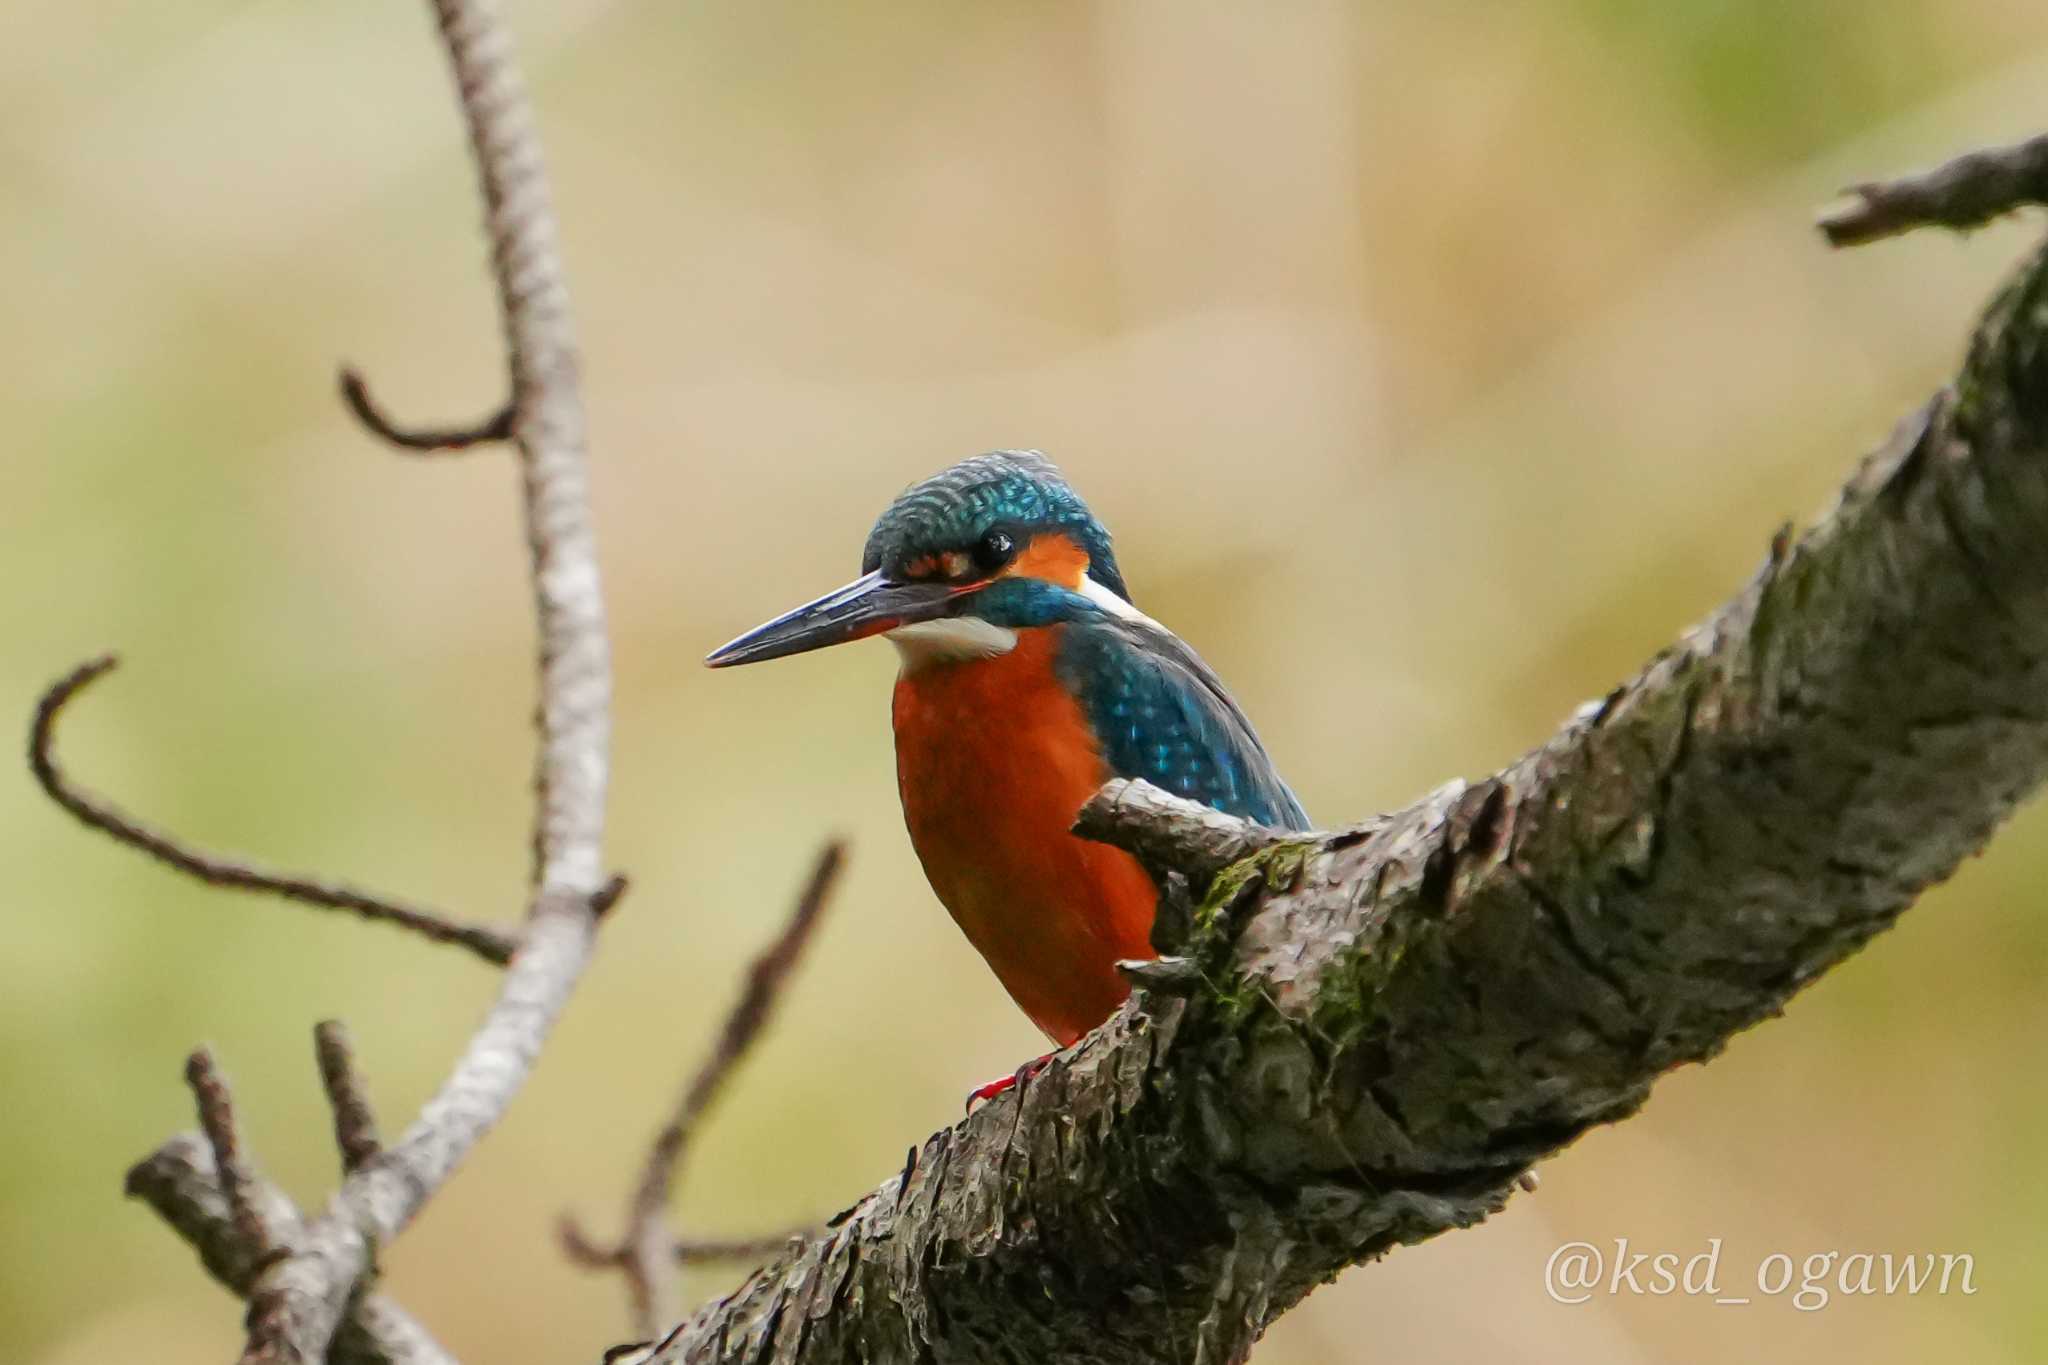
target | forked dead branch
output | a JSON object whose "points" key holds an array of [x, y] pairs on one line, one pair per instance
{"points": [[303, 1276]]}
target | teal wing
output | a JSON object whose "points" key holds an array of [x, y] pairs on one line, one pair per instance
{"points": [[1161, 714]]}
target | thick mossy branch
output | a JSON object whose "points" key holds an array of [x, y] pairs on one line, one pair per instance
{"points": [[1393, 1021]]}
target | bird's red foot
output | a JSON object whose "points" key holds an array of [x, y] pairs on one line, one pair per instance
{"points": [[1002, 1083]]}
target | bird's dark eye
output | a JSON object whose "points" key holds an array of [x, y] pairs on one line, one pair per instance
{"points": [[994, 550]]}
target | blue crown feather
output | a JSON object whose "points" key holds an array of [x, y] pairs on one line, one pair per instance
{"points": [[956, 507]]}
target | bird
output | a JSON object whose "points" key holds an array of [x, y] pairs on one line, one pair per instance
{"points": [[1028, 679]]}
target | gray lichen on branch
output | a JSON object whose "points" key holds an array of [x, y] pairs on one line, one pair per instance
{"points": [[1393, 1021]]}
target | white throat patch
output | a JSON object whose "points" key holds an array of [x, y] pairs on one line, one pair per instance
{"points": [[955, 639], [950, 639]]}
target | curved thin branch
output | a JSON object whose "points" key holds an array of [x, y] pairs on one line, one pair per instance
{"points": [[1394, 1021], [646, 1249], [355, 394], [235, 874], [1967, 192]]}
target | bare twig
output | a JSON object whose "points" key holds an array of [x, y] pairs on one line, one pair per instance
{"points": [[645, 1250], [608, 895], [1165, 831], [580, 1247], [420, 440], [583, 1250], [493, 945], [705, 1251], [1169, 976], [765, 980], [309, 1291], [355, 1124], [1964, 193], [178, 1180], [237, 1177]]}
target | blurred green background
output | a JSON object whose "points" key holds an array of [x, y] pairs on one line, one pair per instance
{"points": [[1434, 363]]}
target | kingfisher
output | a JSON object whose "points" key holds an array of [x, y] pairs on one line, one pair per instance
{"points": [[1028, 680]]}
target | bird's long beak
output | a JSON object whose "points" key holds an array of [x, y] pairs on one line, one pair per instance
{"points": [[867, 606]]}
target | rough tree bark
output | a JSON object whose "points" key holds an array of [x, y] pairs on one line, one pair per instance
{"points": [[1370, 1034]]}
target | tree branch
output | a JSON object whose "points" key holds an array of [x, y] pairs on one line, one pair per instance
{"points": [[308, 1292], [355, 1124], [355, 395], [303, 1278], [1389, 1023], [180, 1182], [493, 945], [707, 1250], [217, 1122], [1967, 192], [1168, 833], [646, 1251]]}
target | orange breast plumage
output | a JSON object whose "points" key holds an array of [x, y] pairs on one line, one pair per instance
{"points": [[993, 759]]}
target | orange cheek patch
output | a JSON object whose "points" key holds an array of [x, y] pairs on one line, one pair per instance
{"points": [[1054, 557], [950, 564]]}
